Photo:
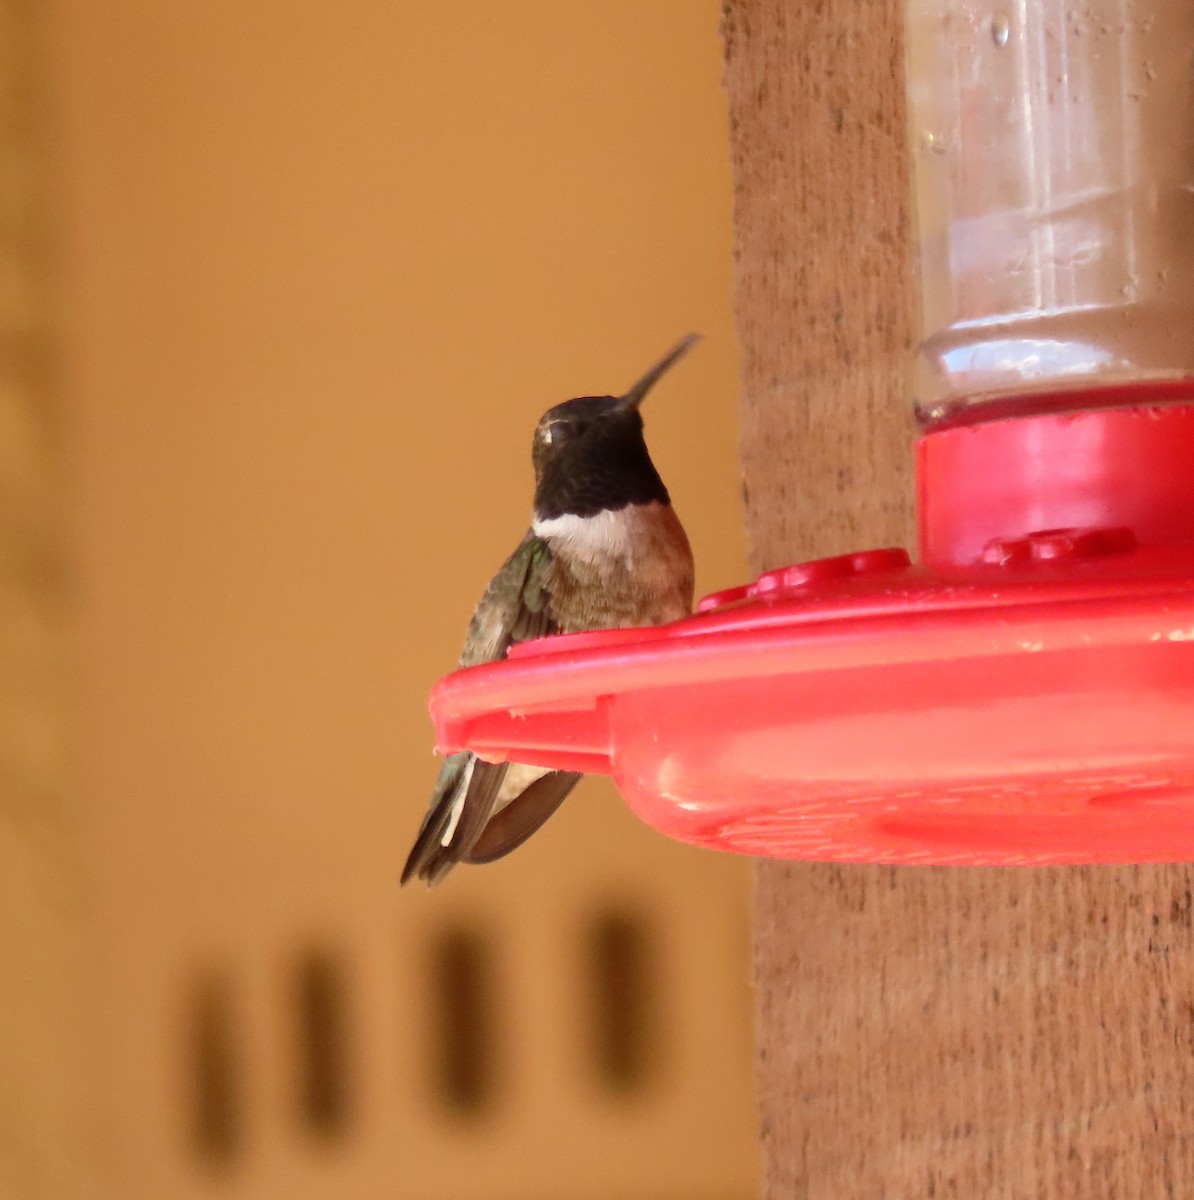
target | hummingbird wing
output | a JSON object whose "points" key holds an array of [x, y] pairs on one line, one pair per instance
{"points": [[514, 608], [507, 829]]}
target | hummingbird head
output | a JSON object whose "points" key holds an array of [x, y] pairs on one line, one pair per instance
{"points": [[589, 453]]}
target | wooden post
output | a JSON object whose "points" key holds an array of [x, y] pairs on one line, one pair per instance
{"points": [[922, 1032]]}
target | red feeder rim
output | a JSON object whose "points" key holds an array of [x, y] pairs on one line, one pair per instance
{"points": [[1024, 696]]}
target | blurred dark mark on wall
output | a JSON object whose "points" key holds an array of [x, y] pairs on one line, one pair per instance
{"points": [[625, 996], [322, 1027], [464, 999], [216, 1073]]}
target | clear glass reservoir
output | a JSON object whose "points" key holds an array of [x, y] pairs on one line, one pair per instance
{"points": [[1053, 149]]}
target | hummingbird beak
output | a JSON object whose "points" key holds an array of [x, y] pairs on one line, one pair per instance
{"points": [[637, 394]]}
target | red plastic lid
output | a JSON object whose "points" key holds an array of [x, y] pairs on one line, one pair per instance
{"points": [[1033, 703], [1103, 467]]}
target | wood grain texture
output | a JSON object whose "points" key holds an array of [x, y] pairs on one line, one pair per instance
{"points": [[922, 1032], [823, 274]]}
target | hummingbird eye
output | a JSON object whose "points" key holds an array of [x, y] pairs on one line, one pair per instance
{"points": [[553, 433]]}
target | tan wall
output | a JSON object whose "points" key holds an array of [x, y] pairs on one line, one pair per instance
{"points": [[322, 267], [39, 909]]}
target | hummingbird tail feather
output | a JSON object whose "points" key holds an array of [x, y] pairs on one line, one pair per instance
{"points": [[460, 807]]}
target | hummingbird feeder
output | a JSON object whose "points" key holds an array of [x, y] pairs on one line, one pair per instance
{"points": [[1024, 693]]}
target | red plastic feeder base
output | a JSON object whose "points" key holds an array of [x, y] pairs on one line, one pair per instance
{"points": [[1026, 695]]}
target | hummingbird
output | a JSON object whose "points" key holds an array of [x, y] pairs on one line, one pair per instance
{"points": [[604, 550]]}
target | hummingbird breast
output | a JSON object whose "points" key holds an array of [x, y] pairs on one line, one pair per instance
{"points": [[619, 567]]}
